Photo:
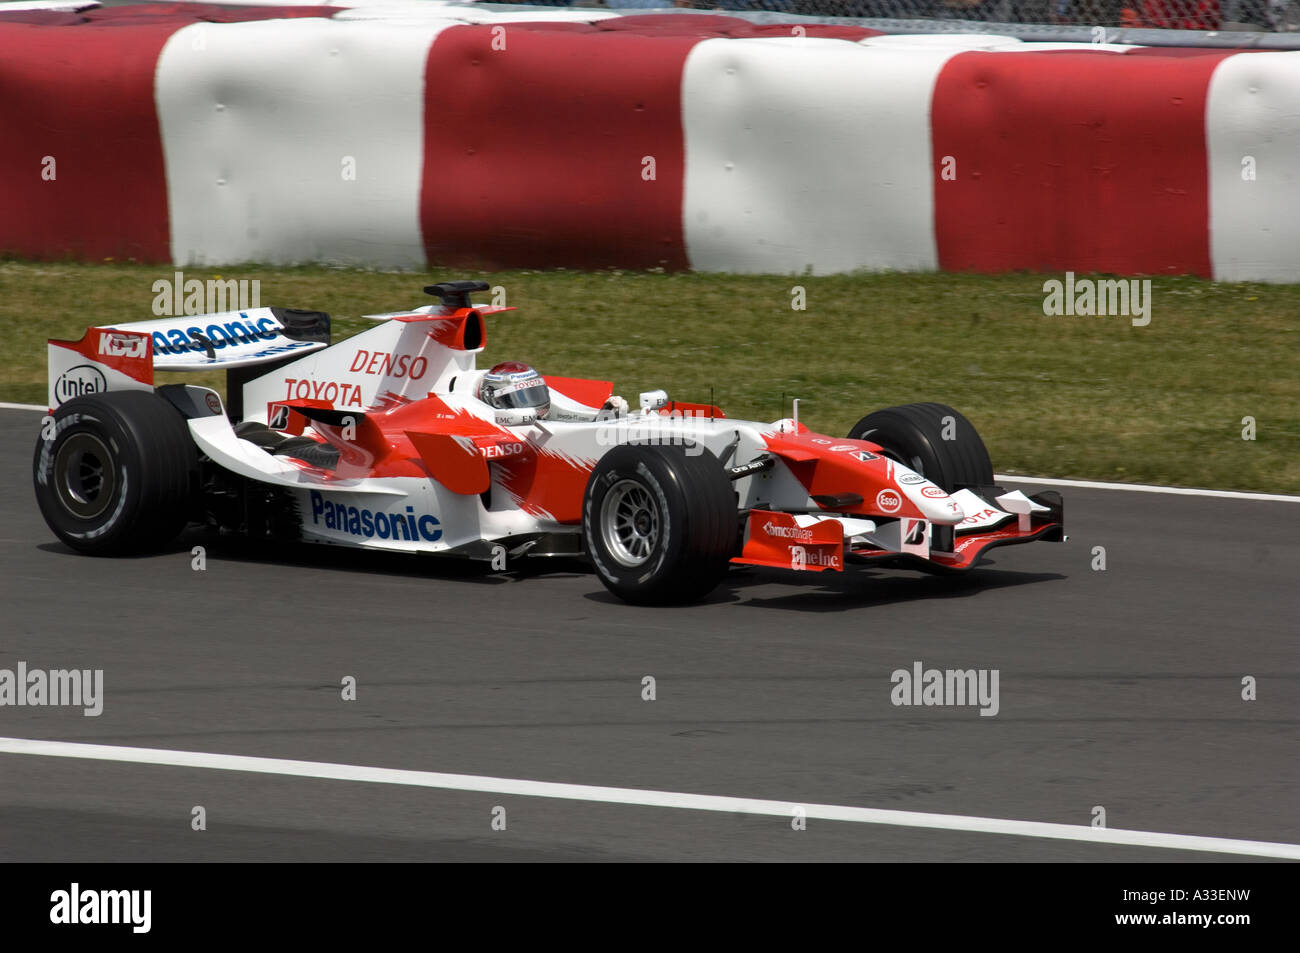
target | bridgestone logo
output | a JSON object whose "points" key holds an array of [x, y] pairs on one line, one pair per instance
{"points": [[787, 532]]}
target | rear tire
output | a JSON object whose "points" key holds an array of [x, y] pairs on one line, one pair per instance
{"points": [[913, 435], [116, 473], [658, 524]]}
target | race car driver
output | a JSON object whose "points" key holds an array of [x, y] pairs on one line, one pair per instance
{"points": [[518, 394]]}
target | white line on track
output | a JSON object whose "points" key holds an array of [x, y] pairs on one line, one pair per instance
{"points": [[646, 798], [5, 406], [1146, 488]]}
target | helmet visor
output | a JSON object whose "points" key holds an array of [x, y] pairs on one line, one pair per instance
{"points": [[519, 395]]}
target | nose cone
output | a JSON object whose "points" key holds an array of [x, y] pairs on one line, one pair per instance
{"points": [[934, 503], [944, 509]]}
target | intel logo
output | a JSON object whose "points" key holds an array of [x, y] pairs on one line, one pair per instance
{"points": [[76, 381]]}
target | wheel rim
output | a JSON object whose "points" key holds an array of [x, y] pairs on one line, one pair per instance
{"points": [[630, 523], [84, 475]]}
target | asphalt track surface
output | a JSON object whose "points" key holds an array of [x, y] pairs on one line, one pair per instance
{"points": [[1119, 689]]}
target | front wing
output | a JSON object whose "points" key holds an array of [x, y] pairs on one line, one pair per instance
{"points": [[820, 543]]}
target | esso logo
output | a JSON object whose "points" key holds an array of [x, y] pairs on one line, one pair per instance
{"points": [[933, 492], [213, 402], [888, 501], [843, 447]]}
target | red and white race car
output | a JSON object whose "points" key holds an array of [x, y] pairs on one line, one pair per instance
{"points": [[393, 439]]}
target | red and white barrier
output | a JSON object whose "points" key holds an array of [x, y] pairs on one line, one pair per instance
{"points": [[399, 136]]}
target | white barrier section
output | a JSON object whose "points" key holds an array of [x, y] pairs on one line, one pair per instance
{"points": [[805, 152], [295, 140], [1252, 132]]}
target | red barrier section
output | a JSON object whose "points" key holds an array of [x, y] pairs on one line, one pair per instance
{"points": [[92, 115], [535, 154], [1072, 161]]}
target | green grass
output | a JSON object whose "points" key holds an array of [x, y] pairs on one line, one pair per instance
{"points": [[1085, 397]]}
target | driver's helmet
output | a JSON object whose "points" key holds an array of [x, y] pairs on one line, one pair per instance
{"points": [[516, 392]]}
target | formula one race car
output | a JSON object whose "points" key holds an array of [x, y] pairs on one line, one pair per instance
{"points": [[394, 440]]}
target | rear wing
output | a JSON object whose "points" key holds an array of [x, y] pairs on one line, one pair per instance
{"points": [[125, 356]]}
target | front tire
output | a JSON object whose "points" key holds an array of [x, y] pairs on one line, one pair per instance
{"points": [[115, 473], [932, 439], [659, 524]]}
